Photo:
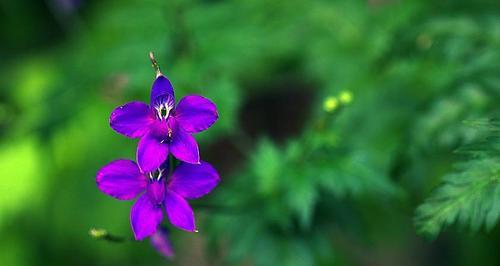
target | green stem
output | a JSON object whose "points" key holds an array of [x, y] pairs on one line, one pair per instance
{"points": [[103, 234]]}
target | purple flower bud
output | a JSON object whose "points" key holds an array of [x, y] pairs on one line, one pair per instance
{"points": [[161, 243]]}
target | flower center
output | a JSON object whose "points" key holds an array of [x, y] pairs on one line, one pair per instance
{"points": [[163, 111]]}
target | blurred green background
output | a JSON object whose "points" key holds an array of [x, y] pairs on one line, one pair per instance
{"points": [[337, 120]]}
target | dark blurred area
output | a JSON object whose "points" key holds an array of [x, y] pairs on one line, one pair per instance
{"points": [[337, 120]]}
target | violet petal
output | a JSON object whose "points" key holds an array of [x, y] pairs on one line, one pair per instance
{"points": [[132, 119], [195, 113], [162, 91], [192, 181], [151, 153], [179, 212], [145, 217], [183, 146], [121, 179], [156, 191]]}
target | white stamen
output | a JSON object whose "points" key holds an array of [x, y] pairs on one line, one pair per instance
{"points": [[160, 173]]}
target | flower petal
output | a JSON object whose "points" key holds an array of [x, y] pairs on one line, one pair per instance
{"points": [[161, 243], [195, 113], [156, 191], [162, 91], [132, 119], [179, 212], [183, 146], [121, 179], [151, 152], [145, 217], [193, 181]]}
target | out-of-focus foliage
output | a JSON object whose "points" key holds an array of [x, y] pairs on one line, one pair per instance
{"points": [[471, 195], [309, 177], [23, 188]]}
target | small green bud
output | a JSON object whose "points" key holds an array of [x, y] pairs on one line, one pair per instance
{"points": [[98, 233], [330, 104], [345, 97]]}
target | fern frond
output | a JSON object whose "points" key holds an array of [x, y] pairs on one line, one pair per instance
{"points": [[470, 195]]}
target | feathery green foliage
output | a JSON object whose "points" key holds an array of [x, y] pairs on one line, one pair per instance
{"points": [[471, 194]]}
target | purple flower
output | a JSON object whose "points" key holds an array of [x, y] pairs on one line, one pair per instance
{"points": [[124, 180], [163, 127], [161, 243]]}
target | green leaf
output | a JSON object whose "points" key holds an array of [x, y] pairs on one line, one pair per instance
{"points": [[301, 196], [267, 167], [470, 195]]}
